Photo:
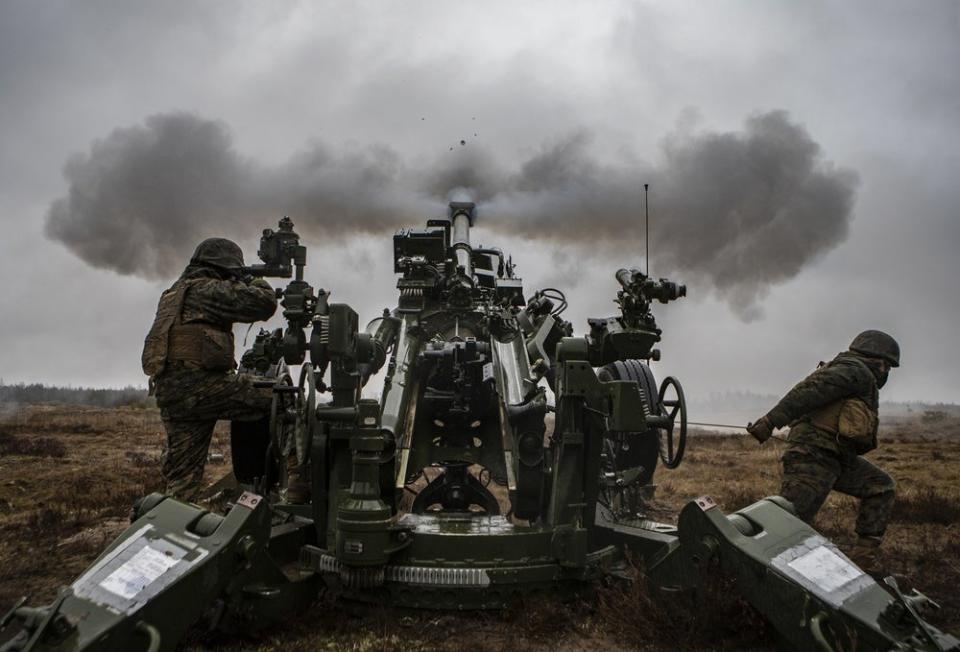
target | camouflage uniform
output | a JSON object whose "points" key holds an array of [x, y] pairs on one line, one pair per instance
{"points": [[818, 459], [189, 356]]}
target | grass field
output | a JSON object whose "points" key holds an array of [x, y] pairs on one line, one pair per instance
{"points": [[68, 477]]}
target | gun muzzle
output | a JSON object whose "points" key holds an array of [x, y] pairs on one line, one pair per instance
{"points": [[463, 214]]}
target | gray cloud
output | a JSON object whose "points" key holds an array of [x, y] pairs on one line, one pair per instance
{"points": [[737, 210]]}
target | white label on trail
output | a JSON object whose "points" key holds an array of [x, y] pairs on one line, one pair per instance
{"points": [[488, 371], [825, 568], [138, 572]]}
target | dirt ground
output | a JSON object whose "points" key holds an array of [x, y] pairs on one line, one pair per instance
{"points": [[69, 475]]}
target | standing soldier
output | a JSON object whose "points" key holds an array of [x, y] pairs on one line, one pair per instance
{"points": [[188, 355], [832, 415]]}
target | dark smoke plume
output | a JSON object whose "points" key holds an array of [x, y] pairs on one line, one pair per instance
{"points": [[144, 196], [733, 211], [739, 211]]}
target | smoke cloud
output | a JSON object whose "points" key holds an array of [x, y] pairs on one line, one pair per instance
{"points": [[738, 211], [143, 197], [735, 211]]}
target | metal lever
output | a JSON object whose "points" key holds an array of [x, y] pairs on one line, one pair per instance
{"points": [[909, 604]]}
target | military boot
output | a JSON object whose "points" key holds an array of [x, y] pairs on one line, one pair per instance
{"points": [[865, 553], [297, 491]]}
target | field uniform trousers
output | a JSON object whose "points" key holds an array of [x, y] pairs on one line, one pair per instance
{"points": [[191, 402], [810, 473]]}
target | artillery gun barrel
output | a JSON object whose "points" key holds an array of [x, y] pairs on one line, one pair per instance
{"points": [[460, 241]]}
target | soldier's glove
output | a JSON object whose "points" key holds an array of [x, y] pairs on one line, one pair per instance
{"points": [[761, 430]]}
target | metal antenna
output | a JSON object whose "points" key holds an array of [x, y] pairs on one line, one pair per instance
{"points": [[646, 210]]}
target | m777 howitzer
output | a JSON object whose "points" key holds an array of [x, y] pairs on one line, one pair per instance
{"points": [[448, 493]]}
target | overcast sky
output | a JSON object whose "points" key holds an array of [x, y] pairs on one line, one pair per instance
{"points": [[326, 103]]}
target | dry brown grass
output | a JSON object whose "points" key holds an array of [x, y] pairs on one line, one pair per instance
{"points": [[927, 505], [57, 513], [715, 618], [33, 446]]}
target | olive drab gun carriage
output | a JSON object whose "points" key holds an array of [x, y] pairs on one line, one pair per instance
{"points": [[450, 492]]}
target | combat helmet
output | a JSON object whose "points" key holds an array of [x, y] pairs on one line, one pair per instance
{"points": [[218, 252], [877, 344]]}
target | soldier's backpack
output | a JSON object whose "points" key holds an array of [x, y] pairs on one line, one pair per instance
{"points": [[155, 346], [851, 418], [198, 344]]}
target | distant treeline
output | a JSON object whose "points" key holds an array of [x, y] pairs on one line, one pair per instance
{"points": [[40, 394], [716, 403], [740, 400]]}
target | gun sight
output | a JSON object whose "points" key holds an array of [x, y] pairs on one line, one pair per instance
{"points": [[643, 287], [281, 253]]}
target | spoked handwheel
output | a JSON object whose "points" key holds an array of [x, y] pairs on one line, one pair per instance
{"points": [[672, 405]]}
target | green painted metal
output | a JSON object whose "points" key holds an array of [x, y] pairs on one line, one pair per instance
{"points": [[796, 578], [171, 565], [466, 358]]}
